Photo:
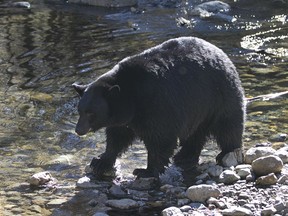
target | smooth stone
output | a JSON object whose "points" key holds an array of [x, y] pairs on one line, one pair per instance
{"points": [[267, 164], [236, 211], [200, 193], [117, 191], [122, 204], [229, 177], [257, 152], [266, 180], [172, 211]]}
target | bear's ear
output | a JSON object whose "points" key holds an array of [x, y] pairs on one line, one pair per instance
{"points": [[114, 90], [79, 88]]}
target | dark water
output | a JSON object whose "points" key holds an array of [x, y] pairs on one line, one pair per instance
{"points": [[46, 49]]}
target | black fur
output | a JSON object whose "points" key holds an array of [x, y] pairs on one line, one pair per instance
{"points": [[184, 88]]}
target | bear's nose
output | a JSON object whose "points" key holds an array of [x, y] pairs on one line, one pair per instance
{"points": [[82, 126]]}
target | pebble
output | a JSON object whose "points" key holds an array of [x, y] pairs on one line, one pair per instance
{"points": [[85, 182], [267, 164], [200, 193], [228, 177]]}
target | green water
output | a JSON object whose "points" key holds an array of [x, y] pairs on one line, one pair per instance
{"points": [[46, 49]]}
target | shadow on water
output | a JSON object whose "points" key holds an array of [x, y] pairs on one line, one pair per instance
{"points": [[46, 49]]}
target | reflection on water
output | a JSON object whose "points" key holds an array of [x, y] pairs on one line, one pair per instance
{"points": [[45, 50]]}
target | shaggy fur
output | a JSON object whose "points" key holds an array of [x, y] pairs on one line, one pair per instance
{"points": [[184, 89]]}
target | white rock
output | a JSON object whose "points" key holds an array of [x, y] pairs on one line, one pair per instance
{"points": [[215, 171], [172, 211], [200, 193], [228, 177], [236, 211], [40, 178], [256, 152], [122, 204], [84, 182], [267, 164]]}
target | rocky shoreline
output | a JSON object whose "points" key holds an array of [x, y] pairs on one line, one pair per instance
{"points": [[257, 187]]}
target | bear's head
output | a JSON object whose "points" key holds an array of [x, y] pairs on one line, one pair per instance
{"points": [[102, 105]]}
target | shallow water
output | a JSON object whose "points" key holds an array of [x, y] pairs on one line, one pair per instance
{"points": [[46, 49]]}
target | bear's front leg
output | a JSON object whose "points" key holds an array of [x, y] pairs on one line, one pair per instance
{"points": [[118, 139], [159, 152]]}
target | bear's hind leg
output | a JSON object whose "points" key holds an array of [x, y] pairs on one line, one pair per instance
{"points": [[118, 140], [228, 133], [188, 155], [159, 153]]}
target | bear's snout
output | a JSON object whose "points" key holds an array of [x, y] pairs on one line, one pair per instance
{"points": [[82, 126]]}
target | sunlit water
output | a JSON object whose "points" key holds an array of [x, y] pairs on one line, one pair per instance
{"points": [[44, 50]]}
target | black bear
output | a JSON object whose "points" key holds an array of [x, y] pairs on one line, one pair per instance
{"points": [[184, 89]]}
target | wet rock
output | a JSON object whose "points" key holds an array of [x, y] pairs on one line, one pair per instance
{"points": [[144, 183], [42, 178], [229, 177], [236, 211], [256, 152], [172, 211], [268, 211], [267, 164], [122, 204], [200, 193], [266, 180]]}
